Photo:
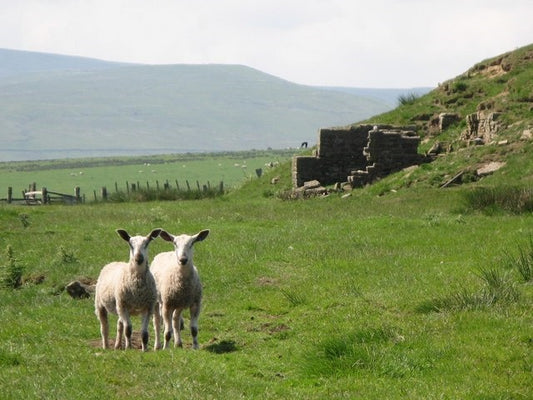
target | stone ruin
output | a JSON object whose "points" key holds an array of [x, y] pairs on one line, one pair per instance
{"points": [[357, 155]]}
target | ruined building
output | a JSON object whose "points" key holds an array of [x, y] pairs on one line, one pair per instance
{"points": [[357, 155]]}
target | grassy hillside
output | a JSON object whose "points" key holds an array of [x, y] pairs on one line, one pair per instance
{"points": [[502, 84], [109, 109]]}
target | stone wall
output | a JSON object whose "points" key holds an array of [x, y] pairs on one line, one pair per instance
{"points": [[358, 155]]}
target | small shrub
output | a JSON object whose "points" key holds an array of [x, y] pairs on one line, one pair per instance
{"points": [[11, 274], [25, 220], [65, 256], [459, 86]]}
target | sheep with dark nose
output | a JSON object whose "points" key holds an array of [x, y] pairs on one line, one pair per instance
{"points": [[178, 288], [126, 289]]}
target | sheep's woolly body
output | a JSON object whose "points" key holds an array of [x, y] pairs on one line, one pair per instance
{"points": [[178, 286], [119, 282]]}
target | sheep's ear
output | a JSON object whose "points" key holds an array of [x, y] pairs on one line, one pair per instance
{"points": [[123, 234], [155, 233], [201, 235], [166, 236]]}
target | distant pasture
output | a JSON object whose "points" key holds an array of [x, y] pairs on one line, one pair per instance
{"points": [[232, 169]]}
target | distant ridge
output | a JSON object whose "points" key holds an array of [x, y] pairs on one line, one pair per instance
{"points": [[55, 106], [15, 63]]}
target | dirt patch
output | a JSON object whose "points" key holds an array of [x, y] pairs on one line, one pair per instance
{"points": [[266, 281], [136, 341]]}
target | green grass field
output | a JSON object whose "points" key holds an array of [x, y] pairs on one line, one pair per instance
{"points": [[400, 290], [360, 297], [233, 169]]}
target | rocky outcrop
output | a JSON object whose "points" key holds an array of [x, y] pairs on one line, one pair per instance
{"points": [[482, 126]]}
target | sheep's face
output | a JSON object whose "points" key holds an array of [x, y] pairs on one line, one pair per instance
{"points": [[139, 245], [183, 244]]}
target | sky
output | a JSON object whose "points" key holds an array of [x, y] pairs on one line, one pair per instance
{"points": [[352, 43]]}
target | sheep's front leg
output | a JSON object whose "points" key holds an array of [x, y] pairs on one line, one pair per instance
{"points": [[177, 323], [157, 326], [195, 314], [167, 319], [104, 326]]}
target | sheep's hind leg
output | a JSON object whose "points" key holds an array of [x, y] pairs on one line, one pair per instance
{"points": [[195, 314], [144, 330], [128, 331], [177, 325], [120, 331], [157, 326], [104, 326], [167, 319]]}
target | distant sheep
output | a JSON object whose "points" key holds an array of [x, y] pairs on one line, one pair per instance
{"points": [[126, 289], [178, 287]]}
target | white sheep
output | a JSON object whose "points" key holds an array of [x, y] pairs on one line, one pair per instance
{"points": [[178, 287], [126, 289]]}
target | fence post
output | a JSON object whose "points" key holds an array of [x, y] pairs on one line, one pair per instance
{"points": [[77, 194], [104, 193], [188, 186], [221, 187], [177, 185], [198, 185], [44, 195], [9, 195], [116, 187], [127, 188]]}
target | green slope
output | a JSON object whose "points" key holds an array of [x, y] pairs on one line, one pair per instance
{"points": [[502, 84]]}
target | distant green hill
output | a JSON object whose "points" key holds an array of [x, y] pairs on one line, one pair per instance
{"points": [[54, 106]]}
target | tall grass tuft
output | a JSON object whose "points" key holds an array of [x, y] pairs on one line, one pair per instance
{"points": [[407, 99], [511, 199], [11, 273], [523, 262], [498, 288], [295, 299]]}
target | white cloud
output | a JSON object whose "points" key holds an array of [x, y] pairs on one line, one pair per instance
{"points": [[378, 43]]}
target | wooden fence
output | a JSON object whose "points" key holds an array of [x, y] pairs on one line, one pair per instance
{"points": [[32, 196]]}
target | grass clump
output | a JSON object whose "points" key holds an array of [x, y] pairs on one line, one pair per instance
{"points": [[498, 289], [523, 262], [12, 271], [407, 99], [512, 199]]}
